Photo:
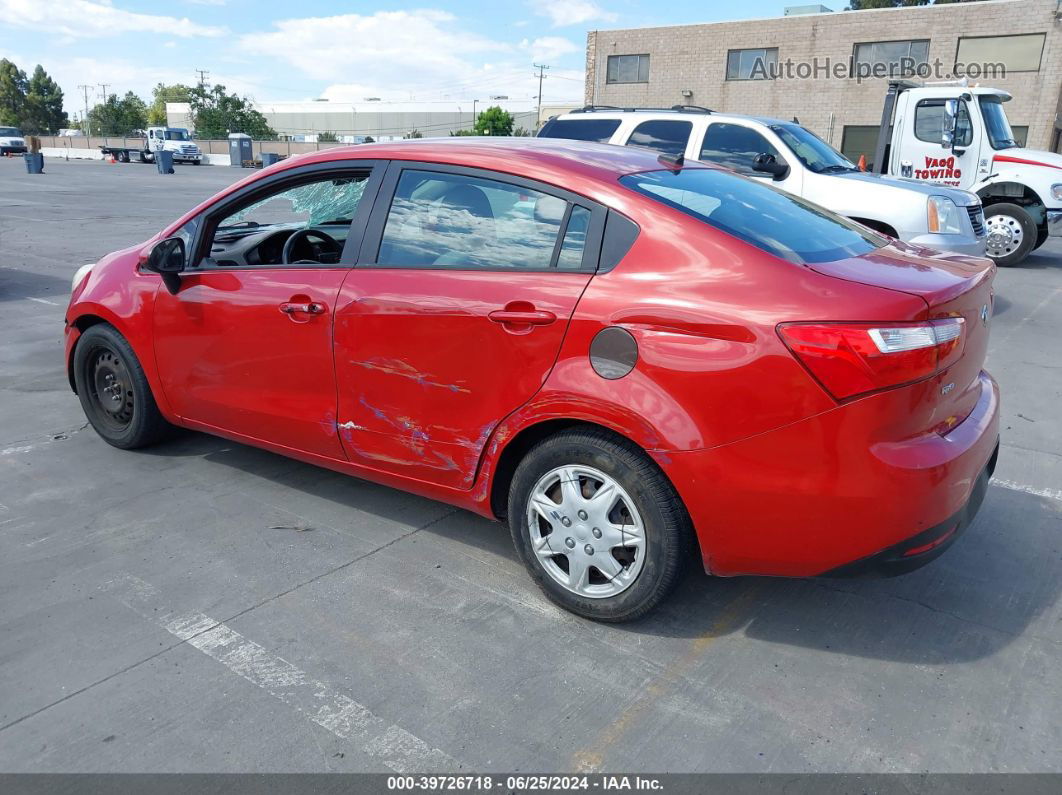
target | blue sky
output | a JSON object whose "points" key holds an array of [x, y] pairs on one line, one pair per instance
{"points": [[302, 49]]}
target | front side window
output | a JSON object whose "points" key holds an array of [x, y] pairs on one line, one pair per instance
{"points": [[462, 222], [664, 136], [756, 64], [321, 210], [812, 151], [627, 69], [599, 130], [1000, 134], [929, 122], [735, 146], [770, 219], [891, 58]]}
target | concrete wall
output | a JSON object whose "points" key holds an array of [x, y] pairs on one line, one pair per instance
{"points": [[693, 57]]}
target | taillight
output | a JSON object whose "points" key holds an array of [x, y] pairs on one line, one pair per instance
{"points": [[849, 359]]}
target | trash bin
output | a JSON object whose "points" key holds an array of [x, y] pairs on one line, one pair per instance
{"points": [[269, 158], [164, 161], [34, 162], [240, 149]]}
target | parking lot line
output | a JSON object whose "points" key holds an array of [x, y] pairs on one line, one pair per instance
{"points": [[1051, 494], [323, 704]]}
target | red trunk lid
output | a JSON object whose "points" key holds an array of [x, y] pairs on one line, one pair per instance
{"points": [[952, 285]]}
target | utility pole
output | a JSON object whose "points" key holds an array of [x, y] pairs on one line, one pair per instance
{"points": [[84, 119], [203, 74], [104, 86], [541, 70], [474, 114]]}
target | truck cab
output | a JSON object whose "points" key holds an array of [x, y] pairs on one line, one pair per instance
{"points": [[792, 158], [176, 140], [12, 142], [958, 135]]}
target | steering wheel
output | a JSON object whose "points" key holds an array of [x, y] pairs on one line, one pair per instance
{"points": [[330, 244]]}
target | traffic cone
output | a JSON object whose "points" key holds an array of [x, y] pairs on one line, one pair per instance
{"points": [[113, 160], [862, 163]]}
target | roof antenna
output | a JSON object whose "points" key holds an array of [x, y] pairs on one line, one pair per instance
{"points": [[796, 120], [673, 162]]}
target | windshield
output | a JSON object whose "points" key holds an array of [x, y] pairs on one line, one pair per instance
{"points": [[996, 124], [176, 135], [770, 219], [814, 153], [9, 132]]}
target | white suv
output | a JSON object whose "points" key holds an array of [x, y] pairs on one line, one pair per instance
{"points": [[795, 160]]}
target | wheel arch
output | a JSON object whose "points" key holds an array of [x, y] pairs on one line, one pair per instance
{"points": [[82, 323], [1015, 193]]}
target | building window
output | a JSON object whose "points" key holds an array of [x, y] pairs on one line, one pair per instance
{"points": [[664, 136], [759, 64], [627, 69], [891, 58], [1017, 53]]}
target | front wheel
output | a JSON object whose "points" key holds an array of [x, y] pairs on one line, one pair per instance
{"points": [[114, 391], [1011, 233], [598, 525]]}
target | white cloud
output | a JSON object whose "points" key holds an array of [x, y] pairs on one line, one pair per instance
{"points": [[77, 19], [548, 48], [572, 12], [389, 48]]}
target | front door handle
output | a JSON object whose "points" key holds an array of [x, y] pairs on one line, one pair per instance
{"points": [[522, 318], [309, 308]]}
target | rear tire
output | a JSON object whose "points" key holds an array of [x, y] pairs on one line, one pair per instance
{"points": [[114, 392], [613, 559], [1011, 233]]}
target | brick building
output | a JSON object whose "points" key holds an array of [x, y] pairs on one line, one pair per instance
{"points": [[803, 65]]}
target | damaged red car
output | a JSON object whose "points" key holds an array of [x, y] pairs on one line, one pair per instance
{"points": [[634, 362]]}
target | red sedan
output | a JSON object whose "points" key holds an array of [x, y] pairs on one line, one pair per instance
{"points": [[632, 361]]}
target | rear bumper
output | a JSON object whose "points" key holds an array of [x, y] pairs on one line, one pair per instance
{"points": [[820, 494], [960, 244]]}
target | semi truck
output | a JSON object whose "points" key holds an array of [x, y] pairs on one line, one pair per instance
{"points": [[172, 139], [955, 134]]}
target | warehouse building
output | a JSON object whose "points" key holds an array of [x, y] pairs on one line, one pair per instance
{"points": [[829, 70], [378, 119]]}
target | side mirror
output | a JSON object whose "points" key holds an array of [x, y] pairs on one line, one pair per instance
{"points": [[951, 116], [766, 163], [166, 258]]}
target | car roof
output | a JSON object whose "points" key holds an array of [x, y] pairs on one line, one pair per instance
{"points": [[601, 112]]}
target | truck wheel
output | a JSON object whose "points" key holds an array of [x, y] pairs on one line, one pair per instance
{"points": [[1011, 233]]}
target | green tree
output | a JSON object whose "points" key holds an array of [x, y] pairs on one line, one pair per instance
{"points": [[521, 132], [414, 133], [494, 121], [43, 113], [454, 133], [118, 116], [327, 137], [216, 114], [161, 95], [13, 87]]}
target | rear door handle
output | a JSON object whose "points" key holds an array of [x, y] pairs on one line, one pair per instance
{"points": [[517, 318], [311, 308]]}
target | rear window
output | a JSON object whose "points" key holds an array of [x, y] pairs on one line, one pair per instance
{"points": [[599, 130], [768, 218]]}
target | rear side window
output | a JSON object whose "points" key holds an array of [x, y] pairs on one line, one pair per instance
{"points": [[735, 147], [462, 222], [664, 136], [765, 217], [599, 130]]}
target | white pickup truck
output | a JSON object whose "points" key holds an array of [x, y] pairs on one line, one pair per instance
{"points": [[794, 159], [171, 139], [955, 134]]}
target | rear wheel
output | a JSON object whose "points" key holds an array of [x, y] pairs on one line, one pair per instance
{"points": [[114, 391], [598, 526], [1011, 233]]}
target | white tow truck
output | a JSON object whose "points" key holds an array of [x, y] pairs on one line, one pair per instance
{"points": [[176, 140], [958, 135]]}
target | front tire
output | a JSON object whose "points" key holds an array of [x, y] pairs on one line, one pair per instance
{"points": [[1011, 233], [598, 525], [114, 392]]}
